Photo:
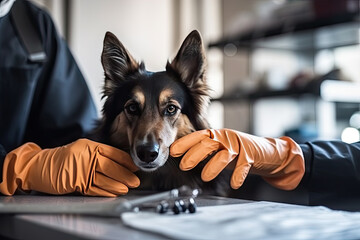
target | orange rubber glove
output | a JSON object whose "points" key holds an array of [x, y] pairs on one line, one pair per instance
{"points": [[278, 160], [83, 166]]}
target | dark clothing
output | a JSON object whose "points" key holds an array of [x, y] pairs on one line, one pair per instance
{"points": [[332, 174], [47, 103]]}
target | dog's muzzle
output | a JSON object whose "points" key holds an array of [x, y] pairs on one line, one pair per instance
{"points": [[149, 157]]}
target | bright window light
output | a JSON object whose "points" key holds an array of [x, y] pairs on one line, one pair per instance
{"points": [[350, 135]]}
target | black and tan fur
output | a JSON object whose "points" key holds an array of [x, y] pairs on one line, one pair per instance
{"points": [[145, 112]]}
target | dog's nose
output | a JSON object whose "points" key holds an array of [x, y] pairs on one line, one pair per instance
{"points": [[147, 153]]}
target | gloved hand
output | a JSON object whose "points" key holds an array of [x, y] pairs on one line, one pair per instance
{"points": [[278, 160], [83, 166]]}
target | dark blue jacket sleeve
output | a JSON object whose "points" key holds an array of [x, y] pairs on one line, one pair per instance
{"points": [[332, 175]]}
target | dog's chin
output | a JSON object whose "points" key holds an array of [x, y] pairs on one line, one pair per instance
{"points": [[152, 166], [148, 167]]}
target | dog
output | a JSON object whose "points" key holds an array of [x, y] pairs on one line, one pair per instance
{"points": [[145, 112]]}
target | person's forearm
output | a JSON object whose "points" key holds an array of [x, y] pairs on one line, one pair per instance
{"points": [[332, 173], [278, 160]]}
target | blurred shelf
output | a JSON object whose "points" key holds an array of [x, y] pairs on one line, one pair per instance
{"points": [[302, 27], [328, 90], [259, 94], [323, 33]]}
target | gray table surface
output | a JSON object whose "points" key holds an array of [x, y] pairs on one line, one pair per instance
{"points": [[69, 226]]}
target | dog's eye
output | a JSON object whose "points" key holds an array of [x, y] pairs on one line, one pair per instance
{"points": [[170, 110], [133, 109]]}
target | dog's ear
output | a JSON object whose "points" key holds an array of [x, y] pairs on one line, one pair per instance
{"points": [[190, 64], [116, 61], [190, 61]]}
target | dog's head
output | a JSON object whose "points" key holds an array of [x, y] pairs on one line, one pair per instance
{"points": [[145, 112]]}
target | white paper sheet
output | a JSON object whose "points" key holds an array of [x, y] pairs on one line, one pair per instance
{"points": [[258, 220]]}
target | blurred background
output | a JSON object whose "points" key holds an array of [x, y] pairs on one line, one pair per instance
{"points": [[276, 67]]}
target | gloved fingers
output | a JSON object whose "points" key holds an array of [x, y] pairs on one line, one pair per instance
{"points": [[239, 175], [198, 153], [109, 185], [118, 156], [217, 164], [117, 172], [96, 191], [180, 146]]}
